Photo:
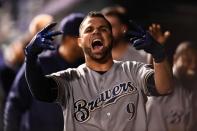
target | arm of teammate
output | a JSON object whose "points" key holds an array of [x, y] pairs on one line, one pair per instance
{"points": [[163, 78], [42, 88], [17, 103]]}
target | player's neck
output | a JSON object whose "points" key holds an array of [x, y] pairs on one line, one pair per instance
{"points": [[99, 66]]}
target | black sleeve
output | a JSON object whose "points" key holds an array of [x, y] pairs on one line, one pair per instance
{"points": [[151, 86], [41, 87], [17, 103]]}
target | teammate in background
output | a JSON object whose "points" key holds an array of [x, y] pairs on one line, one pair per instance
{"points": [[101, 94], [15, 116], [122, 49], [14, 54], [2, 100], [177, 111], [22, 112]]}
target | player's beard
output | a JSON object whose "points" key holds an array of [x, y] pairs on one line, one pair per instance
{"points": [[101, 56], [184, 76], [117, 40]]}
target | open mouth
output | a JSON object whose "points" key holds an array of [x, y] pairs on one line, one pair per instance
{"points": [[97, 44], [191, 72]]}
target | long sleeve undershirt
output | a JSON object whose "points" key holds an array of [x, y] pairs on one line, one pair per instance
{"points": [[41, 87]]}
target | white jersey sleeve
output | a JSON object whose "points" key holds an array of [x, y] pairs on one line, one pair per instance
{"points": [[141, 72]]}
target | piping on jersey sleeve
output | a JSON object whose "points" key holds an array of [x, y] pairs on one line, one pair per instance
{"points": [[145, 82], [62, 87], [144, 71]]}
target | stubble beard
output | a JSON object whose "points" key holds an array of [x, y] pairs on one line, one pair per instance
{"points": [[186, 79]]}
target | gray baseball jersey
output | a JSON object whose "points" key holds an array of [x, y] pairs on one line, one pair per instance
{"points": [[132, 54], [113, 101], [174, 112]]}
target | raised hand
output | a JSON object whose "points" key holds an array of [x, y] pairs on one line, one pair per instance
{"points": [[159, 35], [42, 41], [142, 39]]}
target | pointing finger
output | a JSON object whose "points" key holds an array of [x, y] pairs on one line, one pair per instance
{"points": [[49, 35], [48, 27], [48, 45]]}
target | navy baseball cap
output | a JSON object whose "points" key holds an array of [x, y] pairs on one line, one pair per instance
{"points": [[70, 24]]}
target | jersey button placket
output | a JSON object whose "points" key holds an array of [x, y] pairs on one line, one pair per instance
{"points": [[101, 83], [108, 114]]}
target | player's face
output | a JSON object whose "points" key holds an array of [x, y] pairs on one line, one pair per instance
{"points": [[186, 64], [117, 28], [96, 38]]}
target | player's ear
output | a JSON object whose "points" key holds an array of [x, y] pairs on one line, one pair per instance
{"points": [[124, 29], [79, 41]]}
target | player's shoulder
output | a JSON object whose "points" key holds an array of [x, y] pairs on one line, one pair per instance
{"points": [[80, 70], [128, 63], [69, 72], [132, 65]]}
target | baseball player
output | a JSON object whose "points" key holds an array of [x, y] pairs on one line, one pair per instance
{"points": [[101, 94], [177, 111], [122, 49], [22, 112]]}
